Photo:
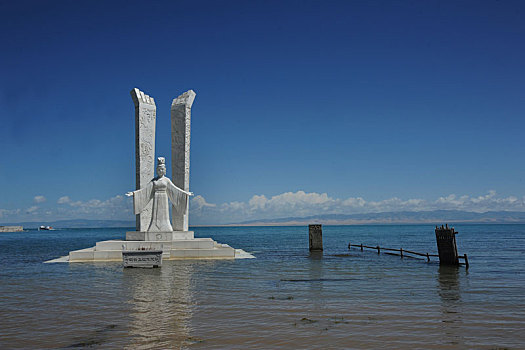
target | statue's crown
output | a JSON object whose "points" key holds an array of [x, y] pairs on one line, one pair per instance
{"points": [[161, 161]]}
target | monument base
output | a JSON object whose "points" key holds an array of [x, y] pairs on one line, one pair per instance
{"points": [[197, 248], [158, 236]]}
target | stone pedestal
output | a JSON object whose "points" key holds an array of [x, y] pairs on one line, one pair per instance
{"points": [[158, 236], [197, 248]]}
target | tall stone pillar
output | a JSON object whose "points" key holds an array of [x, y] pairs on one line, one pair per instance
{"points": [[145, 116], [180, 151]]}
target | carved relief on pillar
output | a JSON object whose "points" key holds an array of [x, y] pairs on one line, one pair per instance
{"points": [[180, 150], [145, 118]]}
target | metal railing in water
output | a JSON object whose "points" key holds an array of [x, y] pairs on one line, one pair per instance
{"points": [[403, 252]]}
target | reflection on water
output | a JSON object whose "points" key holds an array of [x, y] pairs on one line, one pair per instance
{"points": [[160, 305], [286, 298], [450, 295], [315, 272], [448, 278]]}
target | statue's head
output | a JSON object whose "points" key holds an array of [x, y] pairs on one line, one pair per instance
{"points": [[161, 166]]}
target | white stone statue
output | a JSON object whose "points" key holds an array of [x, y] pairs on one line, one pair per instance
{"points": [[160, 189]]}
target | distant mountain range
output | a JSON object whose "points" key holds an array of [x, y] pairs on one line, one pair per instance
{"points": [[399, 217]]}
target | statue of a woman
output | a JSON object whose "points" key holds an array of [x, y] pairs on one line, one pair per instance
{"points": [[160, 189]]}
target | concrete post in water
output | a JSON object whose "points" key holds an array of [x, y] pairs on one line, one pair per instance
{"points": [[145, 116], [180, 151], [446, 243], [315, 233]]}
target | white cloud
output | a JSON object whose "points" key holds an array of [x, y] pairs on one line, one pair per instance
{"points": [[354, 202], [63, 200], [114, 208], [198, 202], [39, 199], [9, 212], [31, 210], [488, 202], [284, 205], [300, 204]]}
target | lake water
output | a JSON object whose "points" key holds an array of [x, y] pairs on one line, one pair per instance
{"points": [[283, 299]]}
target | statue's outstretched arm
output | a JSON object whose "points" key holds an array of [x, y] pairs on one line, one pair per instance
{"points": [[141, 197], [173, 188], [178, 197]]}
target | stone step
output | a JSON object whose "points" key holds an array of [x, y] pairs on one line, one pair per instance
{"points": [[107, 255], [218, 251], [197, 243], [214, 253], [82, 254]]}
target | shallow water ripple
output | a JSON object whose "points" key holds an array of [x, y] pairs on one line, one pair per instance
{"points": [[287, 298]]}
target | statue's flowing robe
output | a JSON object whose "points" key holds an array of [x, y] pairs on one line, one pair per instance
{"points": [[178, 198], [142, 197], [160, 190]]}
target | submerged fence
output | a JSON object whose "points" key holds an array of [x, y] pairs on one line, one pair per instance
{"points": [[403, 252]]}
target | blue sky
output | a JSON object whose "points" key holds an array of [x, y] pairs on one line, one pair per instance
{"points": [[301, 105]]}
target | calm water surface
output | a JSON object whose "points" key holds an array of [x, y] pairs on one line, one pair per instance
{"points": [[286, 298]]}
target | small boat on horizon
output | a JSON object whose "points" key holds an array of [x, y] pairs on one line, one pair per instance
{"points": [[45, 228]]}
